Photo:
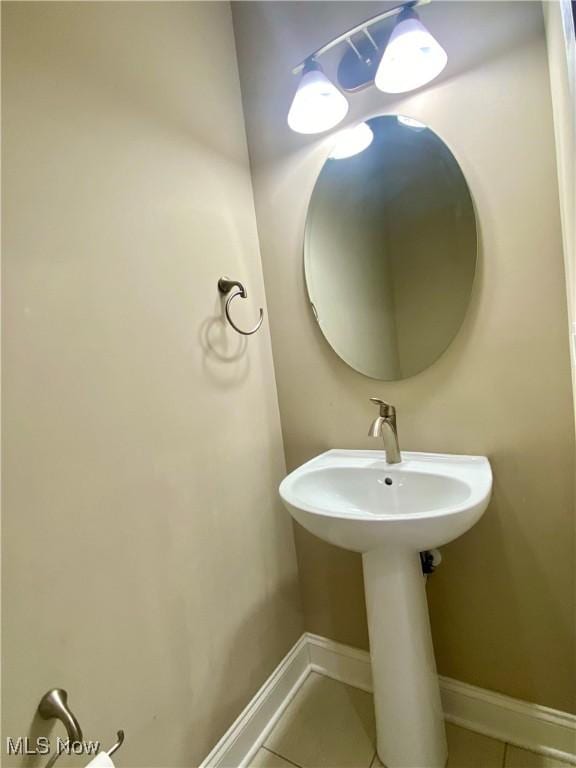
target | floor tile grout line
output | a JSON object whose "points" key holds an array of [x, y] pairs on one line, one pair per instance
{"points": [[282, 757]]}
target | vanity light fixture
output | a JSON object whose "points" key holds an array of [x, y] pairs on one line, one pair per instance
{"points": [[412, 58], [395, 59], [317, 105], [352, 141]]}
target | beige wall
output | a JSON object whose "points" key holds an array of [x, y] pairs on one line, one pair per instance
{"points": [[561, 46], [502, 602], [147, 564]]}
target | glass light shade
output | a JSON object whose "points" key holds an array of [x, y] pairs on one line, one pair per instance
{"points": [[412, 123], [412, 57], [317, 105], [352, 141]]}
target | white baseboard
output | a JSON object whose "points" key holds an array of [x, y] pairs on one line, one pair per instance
{"points": [[340, 662], [248, 732], [531, 726]]}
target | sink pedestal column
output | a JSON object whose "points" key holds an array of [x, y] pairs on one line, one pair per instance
{"points": [[409, 720]]}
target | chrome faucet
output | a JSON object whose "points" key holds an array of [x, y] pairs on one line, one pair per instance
{"points": [[384, 426]]}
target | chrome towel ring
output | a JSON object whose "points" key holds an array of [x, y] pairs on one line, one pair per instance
{"points": [[225, 285]]}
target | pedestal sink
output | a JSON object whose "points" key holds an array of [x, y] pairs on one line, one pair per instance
{"points": [[390, 513]]}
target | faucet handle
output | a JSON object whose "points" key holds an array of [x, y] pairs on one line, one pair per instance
{"points": [[385, 408]]}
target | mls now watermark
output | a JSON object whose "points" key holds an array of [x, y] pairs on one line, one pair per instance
{"points": [[23, 745]]}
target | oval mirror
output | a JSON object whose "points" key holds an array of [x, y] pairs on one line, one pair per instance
{"points": [[390, 250]]}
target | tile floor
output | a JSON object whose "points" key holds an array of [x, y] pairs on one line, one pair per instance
{"points": [[331, 725]]}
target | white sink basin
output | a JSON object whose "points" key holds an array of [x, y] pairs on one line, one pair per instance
{"points": [[355, 500], [391, 512]]}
